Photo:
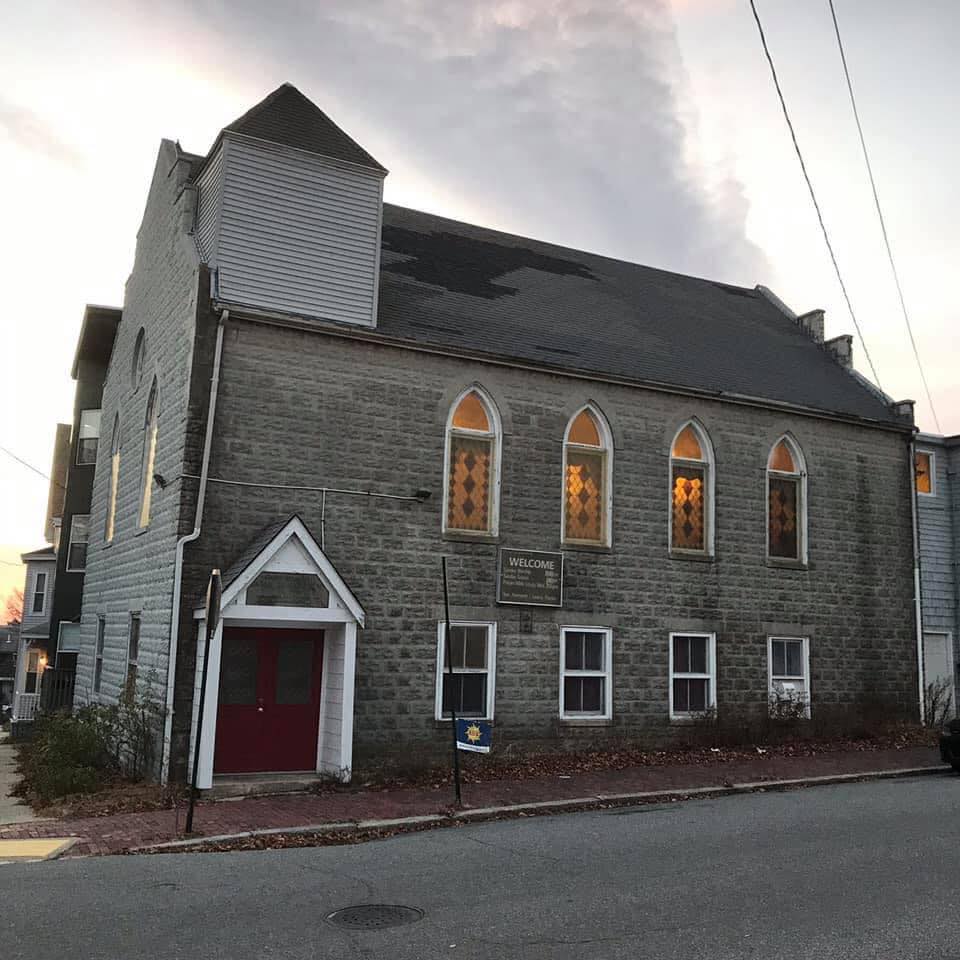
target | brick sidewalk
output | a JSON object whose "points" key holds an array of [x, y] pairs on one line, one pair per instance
{"points": [[116, 834]]}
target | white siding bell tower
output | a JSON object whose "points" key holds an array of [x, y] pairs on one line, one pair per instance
{"points": [[289, 214]]}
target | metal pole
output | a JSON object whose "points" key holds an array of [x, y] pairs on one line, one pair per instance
{"points": [[212, 617], [453, 711]]}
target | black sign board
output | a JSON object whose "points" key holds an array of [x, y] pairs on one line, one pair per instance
{"points": [[530, 577]]}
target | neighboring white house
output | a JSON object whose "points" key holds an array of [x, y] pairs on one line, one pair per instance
{"points": [[34, 632], [938, 510]]}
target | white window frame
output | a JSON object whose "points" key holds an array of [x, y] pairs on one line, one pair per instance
{"points": [[606, 453], [801, 476], [71, 541], [707, 465], [772, 679], [496, 435], [135, 616], [711, 674], [491, 667], [606, 673], [37, 574], [933, 473], [80, 425], [99, 644]]}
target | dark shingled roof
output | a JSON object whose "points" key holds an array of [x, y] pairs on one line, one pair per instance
{"points": [[252, 550], [286, 116], [459, 286]]}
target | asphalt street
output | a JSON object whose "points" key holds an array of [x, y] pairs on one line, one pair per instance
{"points": [[855, 871]]}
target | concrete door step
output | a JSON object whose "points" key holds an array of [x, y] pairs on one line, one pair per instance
{"points": [[234, 786]]}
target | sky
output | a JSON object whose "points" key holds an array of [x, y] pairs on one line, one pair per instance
{"points": [[648, 130]]}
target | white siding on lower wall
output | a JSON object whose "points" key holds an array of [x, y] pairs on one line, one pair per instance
{"points": [[330, 754]]}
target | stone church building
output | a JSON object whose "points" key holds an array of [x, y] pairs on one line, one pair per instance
{"points": [[663, 499]]}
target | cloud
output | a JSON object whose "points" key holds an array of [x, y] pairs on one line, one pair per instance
{"points": [[26, 129], [560, 118]]}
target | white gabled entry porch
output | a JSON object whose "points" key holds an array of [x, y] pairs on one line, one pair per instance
{"points": [[286, 616]]}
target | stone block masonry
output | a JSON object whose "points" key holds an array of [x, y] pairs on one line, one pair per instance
{"points": [[134, 572], [304, 408]]}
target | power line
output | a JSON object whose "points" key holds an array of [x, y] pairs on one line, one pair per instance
{"points": [[813, 196], [883, 225], [30, 466]]}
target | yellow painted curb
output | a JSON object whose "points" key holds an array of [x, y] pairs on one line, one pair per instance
{"points": [[46, 848]]}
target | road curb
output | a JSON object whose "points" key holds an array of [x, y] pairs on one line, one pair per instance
{"points": [[543, 806]]}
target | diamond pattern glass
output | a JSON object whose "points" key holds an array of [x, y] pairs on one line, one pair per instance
{"points": [[783, 536], [584, 506], [468, 501], [688, 507]]}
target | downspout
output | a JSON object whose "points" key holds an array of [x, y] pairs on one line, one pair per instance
{"points": [[181, 543], [917, 596]]}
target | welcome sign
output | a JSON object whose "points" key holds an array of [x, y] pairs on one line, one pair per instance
{"points": [[530, 577]]}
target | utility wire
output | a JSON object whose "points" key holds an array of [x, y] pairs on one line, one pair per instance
{"points": [[813, 196], [883, 225], [30, 466]]}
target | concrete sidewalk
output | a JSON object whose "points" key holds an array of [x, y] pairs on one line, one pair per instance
{"points": [[11, 809], [123, 832]]}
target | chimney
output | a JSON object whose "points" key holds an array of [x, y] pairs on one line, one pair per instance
{"points": [[811, 323], [842, 349], [904, 409]]}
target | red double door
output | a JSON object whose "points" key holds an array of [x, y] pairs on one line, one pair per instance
{"points": [[268, 715]]}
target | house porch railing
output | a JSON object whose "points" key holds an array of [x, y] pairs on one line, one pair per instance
{"points": [[25, 707]]}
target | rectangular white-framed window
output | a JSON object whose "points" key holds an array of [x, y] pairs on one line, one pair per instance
{"points": [[693, 675], [98, 654], [77, 546], [788, 670], [586, 673], [470, 690], [31, 681], [88, 437], [38, 600], [133, 652], [925, 471]]}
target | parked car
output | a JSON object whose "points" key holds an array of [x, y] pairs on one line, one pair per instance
{"points": [[950, 744]]}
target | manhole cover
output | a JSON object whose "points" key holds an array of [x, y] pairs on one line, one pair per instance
{"points": [[374, 916]]}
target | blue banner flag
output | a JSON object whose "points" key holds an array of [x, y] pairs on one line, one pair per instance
{"points": [[474, 735]]}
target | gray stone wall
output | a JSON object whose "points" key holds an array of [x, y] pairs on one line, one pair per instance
{"points": [[301, 408], [135, 571]]}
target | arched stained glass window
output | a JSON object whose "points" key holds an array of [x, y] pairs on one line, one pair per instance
{"points": [[149, 454], [586, 479], [786, 506], [114, 481], [473, 454], [691, 490]]}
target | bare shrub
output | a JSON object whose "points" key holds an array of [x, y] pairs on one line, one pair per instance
{"points": [[939, 702]]}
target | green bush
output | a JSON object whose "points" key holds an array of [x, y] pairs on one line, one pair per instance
{"points": [[67, 754], [81, 752]]}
